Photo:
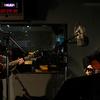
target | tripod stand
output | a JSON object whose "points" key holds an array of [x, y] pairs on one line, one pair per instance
{"points": [[25, 92]]}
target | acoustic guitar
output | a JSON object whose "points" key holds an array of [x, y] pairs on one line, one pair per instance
{"points": [[12, 64]]}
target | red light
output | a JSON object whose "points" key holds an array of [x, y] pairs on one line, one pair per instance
{"points": [[8, 11], [2, 11], [15, 11]]}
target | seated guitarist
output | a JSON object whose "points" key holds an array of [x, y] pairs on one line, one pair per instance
{"points": [[91, 63]]}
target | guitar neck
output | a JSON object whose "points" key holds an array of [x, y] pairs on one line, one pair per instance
{"points": [[15, 62]]}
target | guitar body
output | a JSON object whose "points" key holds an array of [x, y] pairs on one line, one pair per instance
{"points": [[12, 65]]}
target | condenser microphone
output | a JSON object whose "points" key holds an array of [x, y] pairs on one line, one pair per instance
{"points": [[81, 38]]}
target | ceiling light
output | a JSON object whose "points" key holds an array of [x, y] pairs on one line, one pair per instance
{"points": [[8, 26]]}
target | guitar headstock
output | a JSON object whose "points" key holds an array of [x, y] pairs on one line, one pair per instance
{"points": [[33, 55]]}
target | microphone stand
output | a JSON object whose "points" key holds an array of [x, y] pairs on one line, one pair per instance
{"points": [[25, 94], [7, 66], [65, 45], [16, 44]]}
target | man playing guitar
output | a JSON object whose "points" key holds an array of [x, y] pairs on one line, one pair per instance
{"points": [[3, 71], [3, 67]]}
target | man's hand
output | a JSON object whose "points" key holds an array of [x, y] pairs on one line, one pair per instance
{"points": [[20, 61]]}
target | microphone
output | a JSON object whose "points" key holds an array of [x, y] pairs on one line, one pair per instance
{"points": [[81, 38]]}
